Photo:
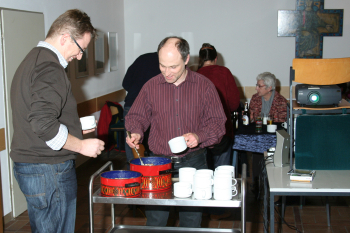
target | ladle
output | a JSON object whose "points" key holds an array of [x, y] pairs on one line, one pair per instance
{"points": [[129, 135]]}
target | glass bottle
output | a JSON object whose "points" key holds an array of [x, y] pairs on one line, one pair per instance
{"points": [[259, 123], [245, 116], [236, 120]]}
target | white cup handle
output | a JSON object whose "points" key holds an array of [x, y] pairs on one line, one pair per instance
{"points": [[189, 191], [234, 192], [234, 181]]}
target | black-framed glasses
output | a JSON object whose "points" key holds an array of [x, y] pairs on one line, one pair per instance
{"points": [[81, 50]]}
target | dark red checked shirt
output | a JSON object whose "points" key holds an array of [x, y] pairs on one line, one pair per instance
{"points": [[192, 107]]}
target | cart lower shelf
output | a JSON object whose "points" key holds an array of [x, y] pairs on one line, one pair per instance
{"points": [[149, 229]]}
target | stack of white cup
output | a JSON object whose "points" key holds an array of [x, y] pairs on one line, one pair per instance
{"points": [[184, 187], [224, 183], [203, 184]]}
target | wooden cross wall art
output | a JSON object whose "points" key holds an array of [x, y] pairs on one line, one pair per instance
{"points": [[309, 23]]}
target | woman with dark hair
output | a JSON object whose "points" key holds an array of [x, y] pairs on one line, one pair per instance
{"points": [[226, 86]]}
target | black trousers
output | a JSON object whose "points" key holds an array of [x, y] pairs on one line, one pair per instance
{"points": [[188, 216]]}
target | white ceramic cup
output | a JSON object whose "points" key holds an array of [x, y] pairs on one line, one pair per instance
{"points": [[284, 125], [205, 171], [202, 180], [182, 189], [186, 174], [271, 128], [202, 193], [224, 181], [225, 194], [177, 144], [88, 122], [227, 167], [223, 172]]}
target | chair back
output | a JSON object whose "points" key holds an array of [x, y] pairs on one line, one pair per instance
{"points": [[322, 71]]}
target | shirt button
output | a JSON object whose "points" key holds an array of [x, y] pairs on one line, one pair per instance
{"points": [[178, 128], [177, 114], [177, 100]]}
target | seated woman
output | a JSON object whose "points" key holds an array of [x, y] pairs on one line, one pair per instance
{"points": [[229, 95], [267, 100]]}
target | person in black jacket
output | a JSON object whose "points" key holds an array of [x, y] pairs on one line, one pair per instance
{"points": [[143, 69]]}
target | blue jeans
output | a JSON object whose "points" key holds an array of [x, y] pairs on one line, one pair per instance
{"points": [[188, 216], [51, 194]]}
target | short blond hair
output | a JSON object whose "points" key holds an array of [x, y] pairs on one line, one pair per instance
{"points": [[74, 22]]}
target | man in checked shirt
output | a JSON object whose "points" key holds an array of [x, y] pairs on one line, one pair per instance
{"points": [[177, 102]]}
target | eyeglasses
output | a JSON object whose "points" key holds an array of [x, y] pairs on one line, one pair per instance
{"points": [[257, 85], [81, 50]]}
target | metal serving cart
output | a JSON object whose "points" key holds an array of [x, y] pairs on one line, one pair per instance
{"points": [[235, 202]]}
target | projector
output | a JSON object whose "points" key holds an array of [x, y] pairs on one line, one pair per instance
{"points": [[317, 95]]}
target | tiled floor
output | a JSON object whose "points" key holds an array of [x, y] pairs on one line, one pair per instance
{"points": [[311, 218]]}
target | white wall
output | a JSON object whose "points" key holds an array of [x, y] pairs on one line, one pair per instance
{"points": [[106, 16], [243, 32]]}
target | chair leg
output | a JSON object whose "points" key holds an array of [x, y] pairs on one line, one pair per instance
{"points": [[328, 213], [283, 206], [302, 202]]}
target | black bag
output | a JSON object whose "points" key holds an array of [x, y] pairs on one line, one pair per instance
{"points": [[222, 146]]}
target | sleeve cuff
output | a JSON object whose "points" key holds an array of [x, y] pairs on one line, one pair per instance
{"points": [[60, 139], [201, 136]]}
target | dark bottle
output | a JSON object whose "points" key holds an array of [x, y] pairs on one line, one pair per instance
{"points": [[245, 116], [259, 123], [235, 120]]}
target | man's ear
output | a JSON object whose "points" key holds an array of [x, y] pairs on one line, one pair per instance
{"points": [[187, 59], [64, 38]]}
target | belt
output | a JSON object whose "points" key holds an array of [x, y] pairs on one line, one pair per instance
{"points": [[177, 159]]}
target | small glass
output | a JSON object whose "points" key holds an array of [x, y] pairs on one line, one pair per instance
{"points": [[270, 119]]}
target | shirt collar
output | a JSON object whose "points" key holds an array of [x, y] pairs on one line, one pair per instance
{"points": [[61, 59], [189, 77]]}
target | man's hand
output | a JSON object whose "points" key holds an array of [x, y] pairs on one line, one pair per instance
{"points": [[91, 147], [88, 131], [134, 140], [191, 140]]}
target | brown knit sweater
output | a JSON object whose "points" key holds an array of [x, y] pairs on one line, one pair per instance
{"points": [[41, 100]]}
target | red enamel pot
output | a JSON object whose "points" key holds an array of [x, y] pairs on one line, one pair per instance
{"points": [[121, 183], [153, 167], [156, 174]]}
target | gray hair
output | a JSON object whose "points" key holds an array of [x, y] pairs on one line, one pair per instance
{"points": [[182, 46], [268, 78]]}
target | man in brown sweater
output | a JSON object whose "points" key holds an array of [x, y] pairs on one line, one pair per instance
{"points": [[47, 131]]}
